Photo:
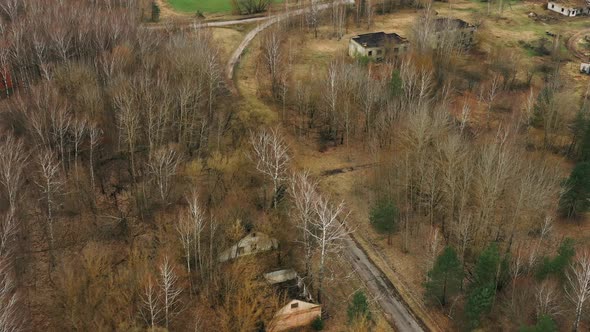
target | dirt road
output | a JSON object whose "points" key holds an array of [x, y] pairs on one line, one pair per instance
{"points": [[394, 310], [378, 285], [398, 315], [235, 57]]}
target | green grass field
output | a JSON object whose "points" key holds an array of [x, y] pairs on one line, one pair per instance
{"points": [[207, 6]]}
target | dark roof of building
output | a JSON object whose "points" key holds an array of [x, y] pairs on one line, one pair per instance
{"points": [[376, 39], [571, 3], [443, 23]]}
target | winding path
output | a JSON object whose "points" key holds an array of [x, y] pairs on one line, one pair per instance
{"points": [[235, 57], [395, 310], [572, 45]]}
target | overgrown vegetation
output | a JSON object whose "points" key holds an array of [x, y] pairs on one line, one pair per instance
{"points": [[129, 169]]}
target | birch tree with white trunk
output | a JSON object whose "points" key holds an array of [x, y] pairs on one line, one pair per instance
{"points": [[170, 291], [184, 227], [547, 298], [95, 135], [150, 303], [304, 194], [162, 166], [10, 311], [197, 218], [273, 56], [271, 155], [578, 285], [13, 158], [79, 129], [50, 184], [329, 230]]}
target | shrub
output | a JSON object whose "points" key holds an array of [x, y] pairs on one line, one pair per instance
{"points": [[559, 263], [544, 324], [358, 308], [317, 324]]}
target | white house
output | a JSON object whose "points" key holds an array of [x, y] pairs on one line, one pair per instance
{"points": [[295, 314], [569, 7], [374, 45], [280, 276], [252, 243], [290, 276]]}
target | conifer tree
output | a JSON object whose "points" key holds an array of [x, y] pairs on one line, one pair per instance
{"points": [[544, 324], [155, 12], [358, 308], [483, 289], [384, 217], [444, 280], [576, 198]]}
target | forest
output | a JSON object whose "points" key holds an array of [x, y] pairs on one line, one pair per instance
{"points": [[132, 170]]}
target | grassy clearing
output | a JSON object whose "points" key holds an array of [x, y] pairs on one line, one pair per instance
{"points": [[206, 6]]}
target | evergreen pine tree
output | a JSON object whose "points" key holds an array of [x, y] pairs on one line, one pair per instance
{"points": [[478, 303], [359, 307], [576, 198], [395, 84], [584, 150], [444, 280], [487, 266], [384, 217], [155, 12], [559, 263], [483, 289], [544, 324], [580, 131]]}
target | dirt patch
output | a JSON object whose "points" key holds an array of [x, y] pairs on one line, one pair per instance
{"points": [[575, 43]]}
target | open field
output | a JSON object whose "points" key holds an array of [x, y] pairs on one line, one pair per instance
{"points": [[206, 6]]}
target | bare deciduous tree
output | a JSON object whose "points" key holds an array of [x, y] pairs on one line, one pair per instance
{"points": [[547, 299], [80, 127], [273, 57], [329, 230], [197, 217], [490, 95], [11, 8], [313, 16], [10, 312], [272, 157], [162, 166], [515, 271], [95, 135], [50, 184], [184, 227], [128, 122], [578, 286], [150, 303], [170, 291], [545, 230], [61, 124], [304, 194], [13, 158]]}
